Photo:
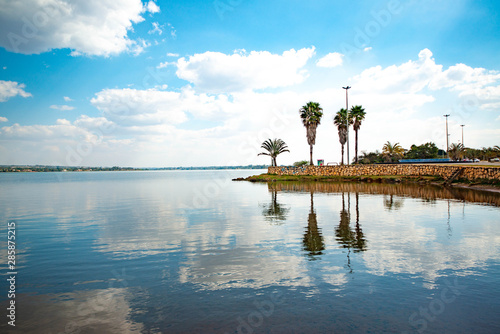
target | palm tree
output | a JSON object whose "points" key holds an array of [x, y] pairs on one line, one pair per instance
{"points": [[456, 151], [393, 150], [274, 147], [358, 115], [311, 115], [340, 122]]}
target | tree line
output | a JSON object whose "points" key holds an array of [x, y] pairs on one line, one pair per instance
{"points": [[393, 152]]}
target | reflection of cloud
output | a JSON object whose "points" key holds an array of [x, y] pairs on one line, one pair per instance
{"points": [[404, 244], [244, 267], [94, 311]]}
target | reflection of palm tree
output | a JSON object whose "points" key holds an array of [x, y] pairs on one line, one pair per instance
{"points": [[275, 212], [360, 244], [390, 203], [313, 240], [346, 237]]}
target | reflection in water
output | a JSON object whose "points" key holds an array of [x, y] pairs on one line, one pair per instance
{"points": [[427, 193], [346, 237], [391, 203], [275, 212], [215, 268], [88, 311], [313, 240], [360, 242]]}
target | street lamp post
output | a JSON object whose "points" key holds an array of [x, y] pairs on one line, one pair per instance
{"points": [[462, 125], [447, 146], [347, 119]]}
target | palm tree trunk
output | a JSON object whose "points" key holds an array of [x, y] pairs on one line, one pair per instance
{"points": [[311, 154], [356, 147], [342, 160], [274, 161]]}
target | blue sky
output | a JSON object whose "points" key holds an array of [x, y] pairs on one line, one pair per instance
{"points": [[194, 83]]}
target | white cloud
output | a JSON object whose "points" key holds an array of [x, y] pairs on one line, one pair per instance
{"points": [[461, 77], [369, 48], [10, 89], [165, 64], [152, 7], [67, 99], [156, 29], [333, 59], [218, 72], [3, 119], [5, 67], [140, 107], [410, 77], [172, 54], [62, 107], [173, 32], [93, 27]]}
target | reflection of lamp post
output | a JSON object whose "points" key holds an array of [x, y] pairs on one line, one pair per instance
{"points": [[447, 146], [463, 134], [347, 120]]}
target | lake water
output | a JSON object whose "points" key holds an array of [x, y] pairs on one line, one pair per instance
{"points": [[193, 252]]}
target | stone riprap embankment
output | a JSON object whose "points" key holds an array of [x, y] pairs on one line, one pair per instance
{"points": [[466, 172]]}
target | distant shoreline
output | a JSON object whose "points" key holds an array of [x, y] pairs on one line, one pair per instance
{"points": [[52, 169]]}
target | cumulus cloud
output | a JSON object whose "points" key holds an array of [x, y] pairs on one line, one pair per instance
{"points": [[67, 99], [219, 72], [140, 107], [93, 27], [410, 77], [10, 89], [62, 107], [152, 7], [461, 77], [333, 59], [133, 107], [3, 119], [415, 76]]}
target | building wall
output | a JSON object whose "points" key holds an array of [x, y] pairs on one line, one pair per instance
{"points": [[469, 172]]}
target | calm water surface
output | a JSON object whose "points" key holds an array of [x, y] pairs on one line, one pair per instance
{"points": [[193, 252]]}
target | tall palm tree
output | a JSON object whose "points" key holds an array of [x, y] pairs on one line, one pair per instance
{"points": [[393, 150], [358, 115], [311, 115], [340, 122], [274, 147]]}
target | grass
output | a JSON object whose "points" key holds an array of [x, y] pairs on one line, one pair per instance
{"points": [[436, 180]]}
